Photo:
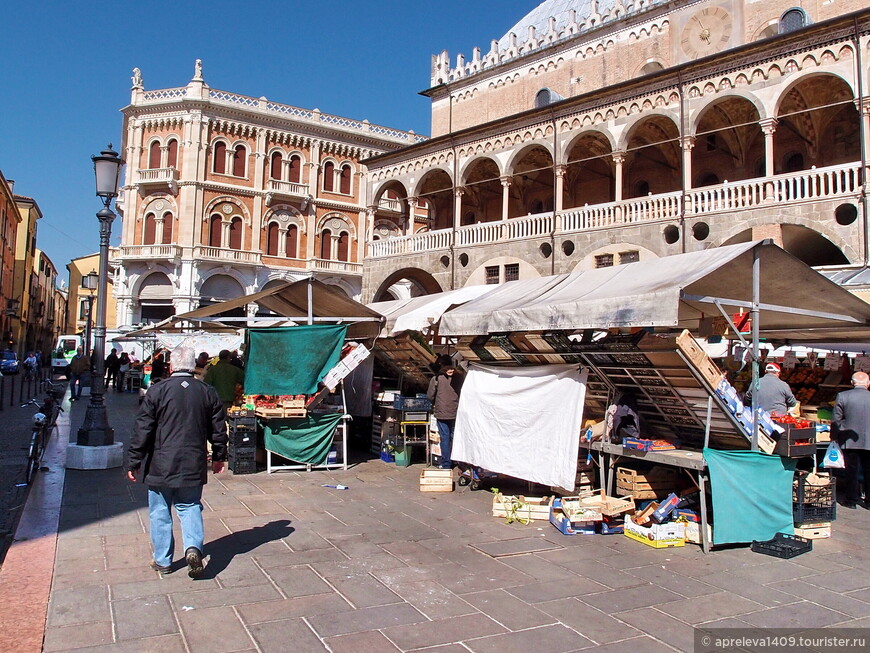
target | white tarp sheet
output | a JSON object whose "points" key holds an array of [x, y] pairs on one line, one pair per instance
{"points": [[522, 421], [212, 343]]}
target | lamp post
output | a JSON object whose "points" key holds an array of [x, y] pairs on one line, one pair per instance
{"points": [[95, 431], [90, 282]]}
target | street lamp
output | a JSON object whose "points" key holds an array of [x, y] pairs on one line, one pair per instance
{"points": [[95, 431], [90, 282]]}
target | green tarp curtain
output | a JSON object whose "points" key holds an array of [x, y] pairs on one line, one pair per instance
{"points": [[291, 360], [752, 495], [305, 439]]}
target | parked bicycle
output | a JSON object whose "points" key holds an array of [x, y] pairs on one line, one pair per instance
{"points": [[44, 420]]}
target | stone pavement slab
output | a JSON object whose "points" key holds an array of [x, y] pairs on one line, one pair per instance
{"points": [[381, 567]]}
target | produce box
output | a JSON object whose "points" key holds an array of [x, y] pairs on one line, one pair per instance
{"points": [[693, 532], [520, 507], [814, 531], [648, 445], [436, 480], [564, 525], [796, 440], [658, 536]]}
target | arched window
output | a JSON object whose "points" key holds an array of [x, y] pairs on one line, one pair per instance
{"points": [[343, 246], [326, 244], [793, 19], [272, 239], [275, 166], [172, 158], [292, 240], [167, 228], [328, 176], [344, 182], [236, 233], [546, 96], [220, 157], [296, 169], [148, 238], [154, 155], [215, 226], [239, 160]]}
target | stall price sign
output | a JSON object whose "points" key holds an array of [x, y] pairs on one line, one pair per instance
{"points": [[862, 363], [832, 362], [789, 360]]}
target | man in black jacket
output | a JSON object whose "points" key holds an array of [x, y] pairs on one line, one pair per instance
{"points": [[851, 429], [168, 453]]}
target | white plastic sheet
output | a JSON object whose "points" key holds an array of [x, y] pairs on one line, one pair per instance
{"points": [[522, 421]]}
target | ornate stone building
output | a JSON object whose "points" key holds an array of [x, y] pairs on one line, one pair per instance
{"points": [[224, 194], [602, 132]]}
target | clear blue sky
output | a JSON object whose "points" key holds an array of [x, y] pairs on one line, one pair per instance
{"points": [[67, 65]]}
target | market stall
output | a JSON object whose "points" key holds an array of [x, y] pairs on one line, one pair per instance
{"points": [[554, 319], [286, 366]]}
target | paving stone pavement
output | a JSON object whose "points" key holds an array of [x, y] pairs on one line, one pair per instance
{"points": [[382, 567]]}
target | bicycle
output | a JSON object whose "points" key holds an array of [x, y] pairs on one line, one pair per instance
{"points": [[44, 420]]}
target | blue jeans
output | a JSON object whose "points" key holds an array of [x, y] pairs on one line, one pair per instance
{"points": [[75, 385], [187, 503], [445, 432]]}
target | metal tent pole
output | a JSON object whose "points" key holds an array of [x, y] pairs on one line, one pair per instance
{"points": [[756, 301]]}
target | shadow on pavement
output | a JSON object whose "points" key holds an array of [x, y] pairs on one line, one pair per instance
{"points": [[221, 551]]}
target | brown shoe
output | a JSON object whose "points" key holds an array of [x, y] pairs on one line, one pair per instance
{"points": [[164, 571], [194, 562]]}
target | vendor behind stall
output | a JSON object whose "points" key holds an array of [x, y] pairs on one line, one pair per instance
{"points": [[224, 376], [773, 394]]}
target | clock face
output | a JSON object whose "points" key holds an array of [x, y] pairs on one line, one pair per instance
{"points": [[706, 32]]}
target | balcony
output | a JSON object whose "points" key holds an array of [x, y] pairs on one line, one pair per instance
{"points": [[390, 205], [323, 265], [138, 252], [227, 255], [793, 188], [159, 177], [275, 189]]}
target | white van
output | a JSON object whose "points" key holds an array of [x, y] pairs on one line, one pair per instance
{"points": [[64, 350]]}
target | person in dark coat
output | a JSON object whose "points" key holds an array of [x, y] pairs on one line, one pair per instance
{"points": [[443, 392], [112, 364], [167, 452], [626, 420], [851, 429]]}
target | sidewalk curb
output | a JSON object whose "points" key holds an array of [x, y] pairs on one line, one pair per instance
{"points": [[28, 570]]}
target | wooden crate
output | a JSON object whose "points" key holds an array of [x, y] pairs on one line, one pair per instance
{"points": [[269, 412], [656, 483], [436, 480], [691, 347], [530, 508]]}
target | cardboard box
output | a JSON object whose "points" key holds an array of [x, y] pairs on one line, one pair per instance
{"points": [[814, 531], [531, 508], [564, 525], [693, 533], [436, 480], [658, 536]]}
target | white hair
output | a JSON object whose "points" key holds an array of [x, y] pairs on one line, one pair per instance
{"points": [[183, 359]]}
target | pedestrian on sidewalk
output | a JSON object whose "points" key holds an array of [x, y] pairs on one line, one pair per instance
{"points": [[178, 417], [112, 364], [78, 367], [851, 429], [443, 392]]}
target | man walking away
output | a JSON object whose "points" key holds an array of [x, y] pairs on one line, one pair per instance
{"points": [[224, 376], [851, 429], [178, 417], [78, 367]]}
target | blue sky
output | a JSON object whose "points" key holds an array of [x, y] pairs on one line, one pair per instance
{"points": [[66, 74]]}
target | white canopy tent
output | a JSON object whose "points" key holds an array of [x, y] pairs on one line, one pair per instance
{"points": [[420, 313], [794, 301]]}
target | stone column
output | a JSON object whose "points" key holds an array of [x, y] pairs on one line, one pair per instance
{"points": [[865, 116], [282, 240], [618, 160], [458, 192], [505, 196], [768, 128], [560, 187], [159, 226], [688, 144], [412, 209]]}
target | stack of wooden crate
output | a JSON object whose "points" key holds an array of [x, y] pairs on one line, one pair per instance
{"points": [[436, 480]]}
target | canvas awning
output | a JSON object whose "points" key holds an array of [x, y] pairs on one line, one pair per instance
{"points": [[796, 302], [420, 313], [291, 301]]}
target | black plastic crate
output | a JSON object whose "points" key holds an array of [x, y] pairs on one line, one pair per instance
{"points": [[243, 466], [813, 504], [248, 421], [783, 546], [243, 439]]}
